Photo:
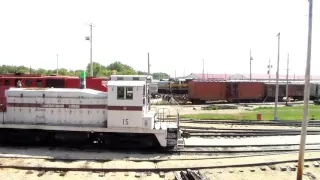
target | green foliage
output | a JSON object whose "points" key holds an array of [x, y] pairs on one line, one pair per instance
{"points": [[98, 70], [284, 113], [160, 75]]}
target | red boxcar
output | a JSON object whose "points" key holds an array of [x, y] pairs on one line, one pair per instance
{"points": [[296, 91], [200, 91], [245, 91]]}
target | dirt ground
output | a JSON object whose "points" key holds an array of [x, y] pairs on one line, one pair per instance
{"points": [[213, 174], [172, 110]]}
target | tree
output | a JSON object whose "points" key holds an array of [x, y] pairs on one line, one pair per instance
{"points": [[98, 70], [160, 75]]}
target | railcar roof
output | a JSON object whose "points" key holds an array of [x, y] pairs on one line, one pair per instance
{"points": [[72, 90]]}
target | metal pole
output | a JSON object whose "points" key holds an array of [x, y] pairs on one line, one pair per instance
{"points": [[250, 64], [277, 82], [287, 86], [57, 64], [148, 65], [91, 66], [202, 68], [306, 99], [269, 70]]}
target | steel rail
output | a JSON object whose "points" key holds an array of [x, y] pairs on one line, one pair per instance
{"points": [[150, 169]]}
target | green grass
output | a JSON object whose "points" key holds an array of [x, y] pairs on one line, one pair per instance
{"points": [[284, 113]]}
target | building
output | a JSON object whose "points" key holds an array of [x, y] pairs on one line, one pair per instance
{"points": [[260, 77]]}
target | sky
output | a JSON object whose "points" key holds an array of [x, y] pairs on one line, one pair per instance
{"points": [[178, 34]]}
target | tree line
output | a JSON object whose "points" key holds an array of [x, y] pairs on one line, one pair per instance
{"points": [[99, 70]]}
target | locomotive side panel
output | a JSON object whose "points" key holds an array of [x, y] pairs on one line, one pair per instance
{"points": [[54, 108]]}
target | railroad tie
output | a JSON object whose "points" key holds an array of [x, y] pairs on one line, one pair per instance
{"points": [[162, 174], [292, 168], [137, 174], [316, 164]]}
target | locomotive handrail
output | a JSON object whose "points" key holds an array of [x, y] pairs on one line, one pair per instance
{"points": [[179, 107]]}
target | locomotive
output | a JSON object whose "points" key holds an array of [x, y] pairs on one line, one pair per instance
{"points": [[120, 117]]}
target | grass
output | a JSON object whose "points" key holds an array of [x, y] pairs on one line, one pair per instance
{"points": [[284, 113]]}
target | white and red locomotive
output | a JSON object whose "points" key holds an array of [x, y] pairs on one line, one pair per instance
{"points": [[119, 116]]}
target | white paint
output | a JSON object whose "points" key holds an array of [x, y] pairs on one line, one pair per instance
{"points": [[161, 134], [52, 115]]}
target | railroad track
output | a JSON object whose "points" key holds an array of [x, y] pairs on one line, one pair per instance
{"points": [[204, 150], [180, 165], [273, 162], [190, 131], [312, 123]]}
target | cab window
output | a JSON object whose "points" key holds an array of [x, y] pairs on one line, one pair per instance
{"points": [[125, 93], [129, 93], [120, 92]]}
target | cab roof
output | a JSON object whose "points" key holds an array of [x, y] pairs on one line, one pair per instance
{"points": [[126, 83]]}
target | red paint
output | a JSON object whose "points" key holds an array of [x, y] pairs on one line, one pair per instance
{"points": [[125, 108], [77, 106], [245, 90], [207, 90]]}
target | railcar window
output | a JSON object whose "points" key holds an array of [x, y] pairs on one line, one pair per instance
{"points": [[136, 79], [129, 93], [7, 82], [39, 82], [0, 82], [28, 82], [120, 92], [119, 78]]}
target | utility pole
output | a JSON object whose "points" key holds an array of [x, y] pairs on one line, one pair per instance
{"points": [[277, 81], [57, 64], [287, 86], [90, 38], [250, 64], [148, 65], [91, 63], [306, 99], [269, 69], [203, 69], [175, 74]]}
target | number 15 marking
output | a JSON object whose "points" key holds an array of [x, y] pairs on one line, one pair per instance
{"points": [[125, 121]]}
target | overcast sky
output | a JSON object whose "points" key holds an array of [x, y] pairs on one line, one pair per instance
{"points": [[177, 33]]}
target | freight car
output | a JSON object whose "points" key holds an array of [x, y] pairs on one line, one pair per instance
{"points": [[117, 118], [200, 91]]}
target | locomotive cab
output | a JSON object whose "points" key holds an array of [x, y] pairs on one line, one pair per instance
{"points": [[126, 104]]}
